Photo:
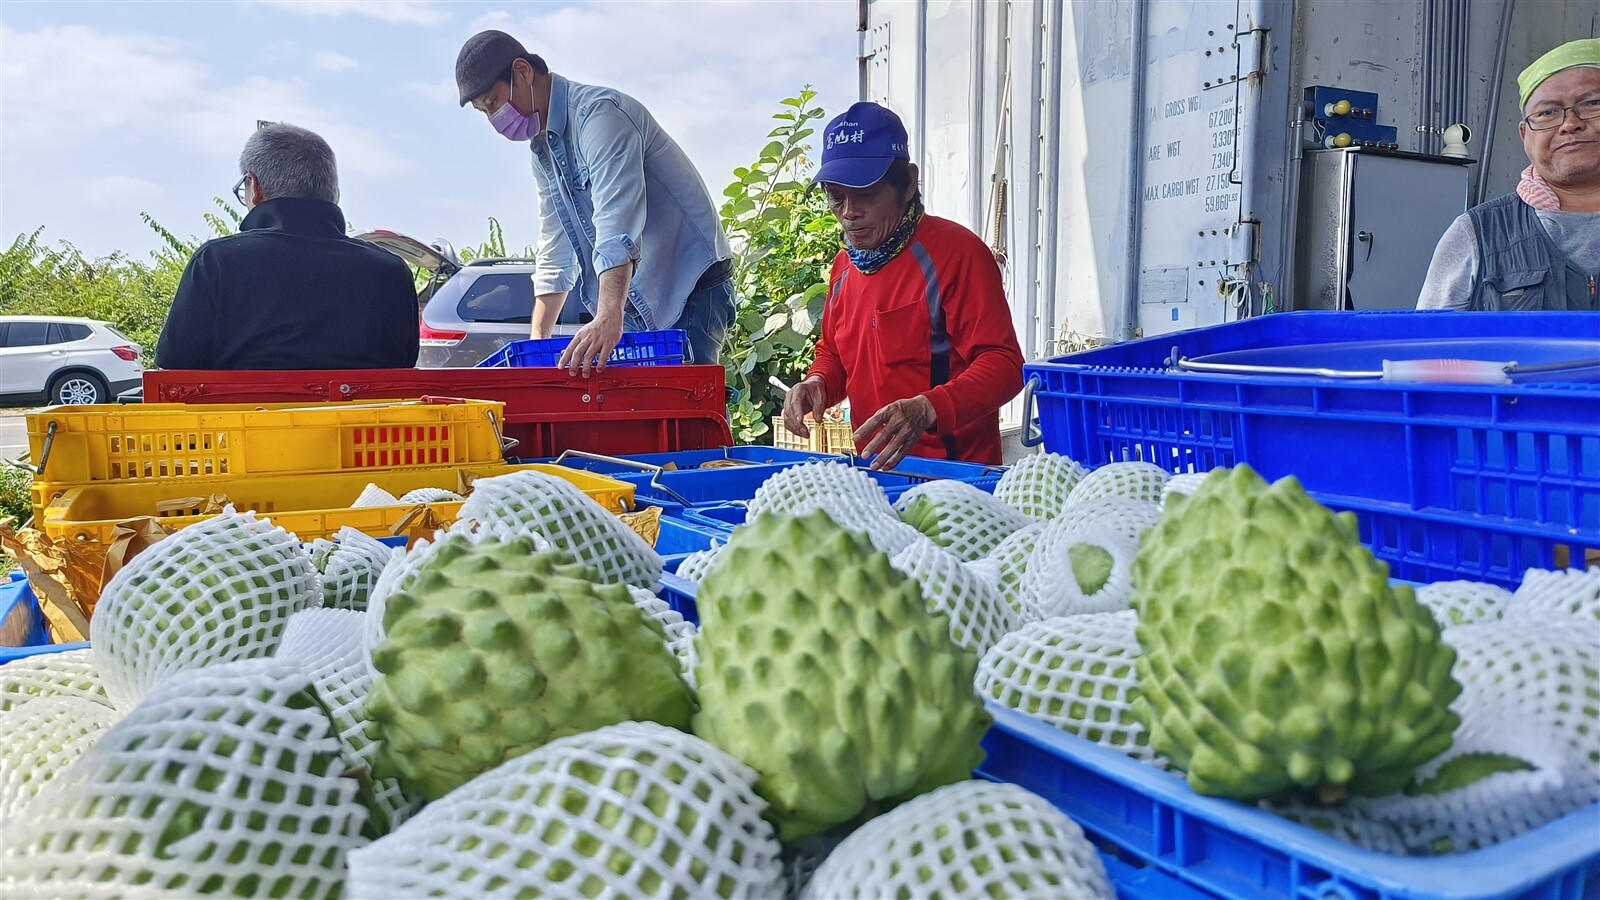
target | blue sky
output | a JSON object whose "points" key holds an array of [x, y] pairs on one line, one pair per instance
{"points": [[110, 109]]}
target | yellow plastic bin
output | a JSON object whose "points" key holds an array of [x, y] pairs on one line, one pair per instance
{"points": [[311, 506], [76, 445]]}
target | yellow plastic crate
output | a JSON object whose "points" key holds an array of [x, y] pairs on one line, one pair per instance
{"points": [[141, 442], [310, 506], [829, 437]]}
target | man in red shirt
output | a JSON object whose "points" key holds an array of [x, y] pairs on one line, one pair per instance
{"points": [[916, 331]]}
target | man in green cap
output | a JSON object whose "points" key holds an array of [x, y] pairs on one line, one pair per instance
{"points": [[1539, 246]]}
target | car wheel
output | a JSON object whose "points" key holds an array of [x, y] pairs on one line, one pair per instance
{"points": [[75, 388]]}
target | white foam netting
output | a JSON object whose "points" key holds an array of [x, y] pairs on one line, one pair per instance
{"points": [[796, 491], [1011, 559], [430, 495], [1039, 484], [987, 571], [1497, 807], [679, 633], [372, 495], [70, 673], [349, 567], [213, 592], [533, 502], [1050, 582], [40, 739], [629, 810], [978, 616], [1184, 484], [1463, 602], [1132, 480], [968, 839], [225, 780], [1575, 592], [1530, 691], [882, 529], [1547, 669], [1075, 672], [1122, 514], [403, 568], [969, 522], [330, 645], [695, 566]]}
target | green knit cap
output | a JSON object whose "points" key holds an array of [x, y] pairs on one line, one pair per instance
{"points": [[1571, 55]]}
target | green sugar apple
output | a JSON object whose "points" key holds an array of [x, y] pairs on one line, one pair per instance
{"points": [[961, 518], [970, 839], [1277, 657], [629, 810], [821, 668], [225, 781], [349, 567], [217, 591], [495, 648]]}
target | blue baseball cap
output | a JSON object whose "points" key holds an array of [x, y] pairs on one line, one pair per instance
{"points": [[859, 145]]}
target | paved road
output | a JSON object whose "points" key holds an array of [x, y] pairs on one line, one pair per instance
{"points": [[13, 436]]}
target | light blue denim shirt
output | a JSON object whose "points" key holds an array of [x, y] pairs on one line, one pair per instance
{"points": [[614, 189]]}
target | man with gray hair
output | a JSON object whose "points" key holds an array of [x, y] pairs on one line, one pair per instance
{"points": [[1537, 247], [290, 290]]}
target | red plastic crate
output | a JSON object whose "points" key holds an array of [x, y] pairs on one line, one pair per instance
{"points": [[655, 409]]}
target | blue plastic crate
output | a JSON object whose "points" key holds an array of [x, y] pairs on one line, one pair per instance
{"points": [[17, 598], [637, 348], [19, 612], [678, 536], [692, 459], [1448, 481], [1151, 818], [1161, 840], [724, 517]]}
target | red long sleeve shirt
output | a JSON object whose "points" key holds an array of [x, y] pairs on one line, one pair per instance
{"points": [[878, 338]]}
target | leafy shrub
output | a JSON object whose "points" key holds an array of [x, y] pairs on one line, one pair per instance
{"points": [[784, 239]]}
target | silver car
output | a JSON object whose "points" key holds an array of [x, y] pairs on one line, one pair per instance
{"points": [[63, 359], [470, 310]]}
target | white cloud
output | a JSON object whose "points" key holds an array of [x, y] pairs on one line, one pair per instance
{"points": [[329, 61], [710, 71], [121, 190], [398, 12], [442, 92]]}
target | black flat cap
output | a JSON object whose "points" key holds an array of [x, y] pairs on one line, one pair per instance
{"points": [[484, 58]]}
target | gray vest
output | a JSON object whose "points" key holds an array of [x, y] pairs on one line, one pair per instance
{"points": [[1519, 266]]}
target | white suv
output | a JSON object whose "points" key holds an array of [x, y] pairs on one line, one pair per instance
{"points": [[65, 360]]}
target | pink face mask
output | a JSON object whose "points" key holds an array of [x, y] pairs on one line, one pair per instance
{"points": [[512, 124]]}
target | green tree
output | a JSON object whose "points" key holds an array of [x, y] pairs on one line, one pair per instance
{"points": [[784, 239]]}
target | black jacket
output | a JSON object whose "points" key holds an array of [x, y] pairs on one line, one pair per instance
{"points": [[290, 291]]}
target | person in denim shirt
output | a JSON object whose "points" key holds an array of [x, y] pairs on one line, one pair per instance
{"points": [[624, 217]]}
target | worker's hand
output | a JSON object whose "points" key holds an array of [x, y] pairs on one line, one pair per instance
{"points": [[809, 396], [894, 430], [592, 346]]}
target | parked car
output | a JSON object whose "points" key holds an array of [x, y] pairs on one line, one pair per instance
{"points": [[59, 359], [470, 310]]}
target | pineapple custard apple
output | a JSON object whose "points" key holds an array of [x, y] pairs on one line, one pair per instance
{"points": [[1277, 657], [821, 668], [496, 648]]}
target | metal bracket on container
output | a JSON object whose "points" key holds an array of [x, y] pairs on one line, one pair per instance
{"points": [[655, 470], [44, 454], [1032, 434], [1413, 367], [507, 444]]}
